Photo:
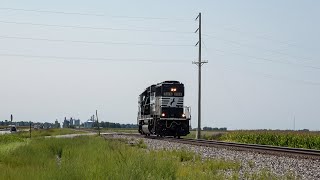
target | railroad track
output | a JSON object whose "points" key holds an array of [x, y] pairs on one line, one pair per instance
{"points": [[264, 149]]}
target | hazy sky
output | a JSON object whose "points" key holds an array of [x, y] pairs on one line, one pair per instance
{"points": [[69, 58]]}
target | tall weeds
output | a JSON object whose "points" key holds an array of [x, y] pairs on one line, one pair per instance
{"points": [[93, 157]]}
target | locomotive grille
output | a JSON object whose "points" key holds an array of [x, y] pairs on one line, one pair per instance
{"points": [[171, 102]]}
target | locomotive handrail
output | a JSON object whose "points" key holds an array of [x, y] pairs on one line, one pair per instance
{"points": [[174, 119]]}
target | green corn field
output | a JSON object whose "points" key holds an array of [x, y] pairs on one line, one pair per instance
{"points": [[295, 139]]}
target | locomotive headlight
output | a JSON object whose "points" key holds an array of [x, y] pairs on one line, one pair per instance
{"points": [[163, 114], [183, 115], [173, 89]]}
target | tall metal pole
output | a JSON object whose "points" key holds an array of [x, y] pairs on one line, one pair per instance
{"points": [[30, 129], [294, 123], [98, 122], [199, 64]]}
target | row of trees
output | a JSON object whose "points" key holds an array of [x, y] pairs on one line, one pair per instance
{"points": [[214, 129], [27, 123], [57, 125], [114, 125], [6, 123]]}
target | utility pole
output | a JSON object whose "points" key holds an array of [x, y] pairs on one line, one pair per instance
{"points": [[199, 64], [294, 123], [98, 122], [30, 129]]}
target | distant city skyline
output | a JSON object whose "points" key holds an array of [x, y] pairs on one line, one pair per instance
{"points": [[69, 58]]}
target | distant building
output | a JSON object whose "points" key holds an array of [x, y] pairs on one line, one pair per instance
{"points": [[71, 122], [66, 123], [37, 125], [21, 123], [88, 124], [77, 122], [47, 125], [56, 124]]}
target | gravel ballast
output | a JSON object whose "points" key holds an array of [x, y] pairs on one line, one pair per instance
{"points": [[251, 162]]}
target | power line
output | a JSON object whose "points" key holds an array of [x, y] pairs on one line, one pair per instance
{"points": [[94, 28], [92, 42], [250, 34], [232, 95], [96, 59], [275, 77], [53, 12], [90, 14], [147, 18], [267, 59], [270, 50]]}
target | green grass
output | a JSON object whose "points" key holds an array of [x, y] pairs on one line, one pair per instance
{"points": [[9, 138], [97, 158], [209, 135], [20, 136], [9, 142], [124, 130], [5, 149], [83, 158], [48, 132]]}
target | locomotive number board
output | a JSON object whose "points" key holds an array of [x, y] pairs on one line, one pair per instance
{"points": [[172, 94]]}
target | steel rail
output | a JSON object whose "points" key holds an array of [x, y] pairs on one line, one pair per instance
{"points": [[266, 149], [263, 149]]}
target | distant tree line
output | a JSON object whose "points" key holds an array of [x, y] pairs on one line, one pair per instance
{"points": [[115, 125], [214, 129], [27, 123], [6, 123], [57, 125], [19, 123]]}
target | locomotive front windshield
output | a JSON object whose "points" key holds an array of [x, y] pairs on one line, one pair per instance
{"points": [[173, 90]]}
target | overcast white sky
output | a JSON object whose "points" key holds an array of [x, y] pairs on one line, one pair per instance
{"points": [[263, 68]]}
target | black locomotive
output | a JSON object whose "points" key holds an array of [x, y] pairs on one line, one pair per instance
{"points": [[161, 111]]}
